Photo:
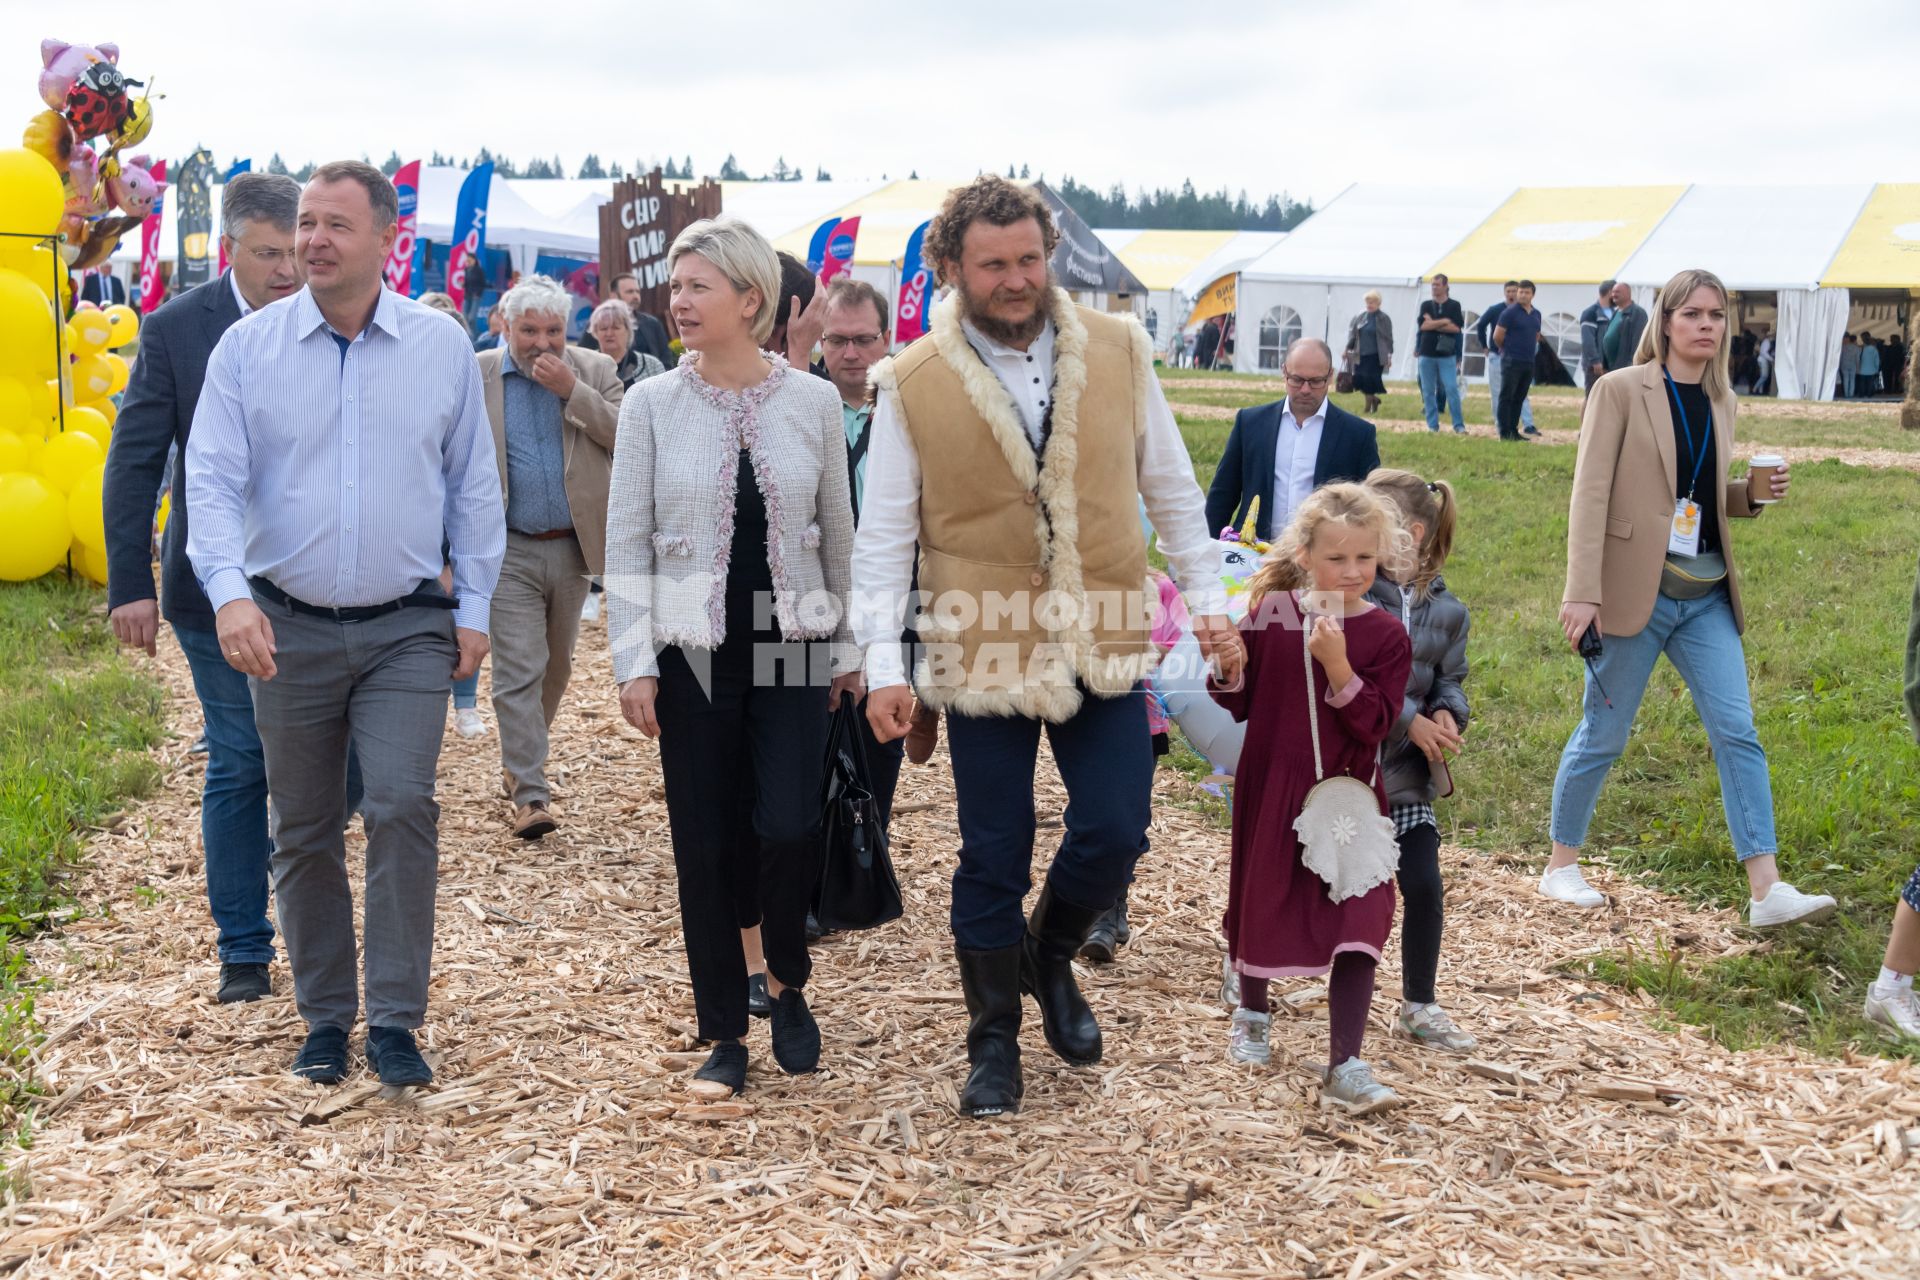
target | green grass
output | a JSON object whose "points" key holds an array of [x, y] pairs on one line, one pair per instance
{"points": [[1827, 578], [75, 723]]}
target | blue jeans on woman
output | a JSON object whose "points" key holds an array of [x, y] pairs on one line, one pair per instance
{"points": [[1701, 641], [1439, 375]]}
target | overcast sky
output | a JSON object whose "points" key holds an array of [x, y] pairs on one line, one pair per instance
{"points": [[1272, 96]]}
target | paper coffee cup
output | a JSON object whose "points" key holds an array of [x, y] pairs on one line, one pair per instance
{"points": [[1760, 477]]}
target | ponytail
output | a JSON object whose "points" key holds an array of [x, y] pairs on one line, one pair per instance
{"points": [[1433, 507]]}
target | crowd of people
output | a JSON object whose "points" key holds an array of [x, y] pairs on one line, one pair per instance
{"points": [[365, 511]]}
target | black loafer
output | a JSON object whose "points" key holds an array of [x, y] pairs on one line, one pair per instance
{"points": [[240, 983], [726, 1066], [323, 1058], [395, 1057], [759, 1003], [796, 1036]]}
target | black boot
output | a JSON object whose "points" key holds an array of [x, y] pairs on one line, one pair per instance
{"points": [[991, 980], [1055, 933], [1109, 933]]}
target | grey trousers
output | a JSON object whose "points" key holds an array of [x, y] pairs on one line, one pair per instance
{"points": [[380, 685], [535, 620]]}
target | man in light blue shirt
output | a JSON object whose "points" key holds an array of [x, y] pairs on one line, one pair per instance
{"points": [[339, 438]]}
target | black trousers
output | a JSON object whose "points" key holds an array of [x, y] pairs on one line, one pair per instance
{"points": [[1421, 911], [765, 720], [1516, 378]]}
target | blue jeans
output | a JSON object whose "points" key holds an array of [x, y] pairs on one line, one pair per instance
{"points": [[1701, 641], [466, 693], [233, 803], [1438, 374], [1105, 758], [1493, 386]]}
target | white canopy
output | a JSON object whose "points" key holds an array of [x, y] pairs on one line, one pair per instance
{"points": [[1378, 234], [1751, 237]]}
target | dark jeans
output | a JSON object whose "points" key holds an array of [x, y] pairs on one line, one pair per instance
{"points": [[233, 803], [1105, 759], [775, 731], [1421, 912], [1516, 377]]}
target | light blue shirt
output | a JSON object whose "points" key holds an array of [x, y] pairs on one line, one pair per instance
{"points": [[335, 473], [856, 419], [536, 454]]}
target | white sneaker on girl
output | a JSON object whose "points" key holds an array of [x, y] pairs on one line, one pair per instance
{"points": [[1894, 1008], [1785, 904], [1429, 1024], [1566, 884], [1229, 983], [1352, 1088], [1247, 1042], [468, 724]]}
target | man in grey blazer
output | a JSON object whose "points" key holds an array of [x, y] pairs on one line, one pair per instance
{"points": [[1593, 324]]}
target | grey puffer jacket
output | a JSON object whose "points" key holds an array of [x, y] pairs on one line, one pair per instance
{"points": [[1438, 628]]}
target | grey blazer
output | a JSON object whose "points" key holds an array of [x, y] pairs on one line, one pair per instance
{"points": [[1384, 334], [1438, 627]]}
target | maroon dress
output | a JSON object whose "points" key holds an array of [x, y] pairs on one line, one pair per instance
{"points": [[1280, 922]]}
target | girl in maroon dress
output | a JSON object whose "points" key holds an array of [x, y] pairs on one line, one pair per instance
{"points": [[1281, 921]]}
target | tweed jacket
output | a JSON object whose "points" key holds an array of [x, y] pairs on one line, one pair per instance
{"points": [[1438, 627], [1622, 507], [1383, 335], [670, 512]]}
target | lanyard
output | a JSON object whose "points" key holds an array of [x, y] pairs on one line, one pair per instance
{"points": [[1698, 452]]}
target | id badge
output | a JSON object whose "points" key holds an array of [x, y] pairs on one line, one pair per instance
{"points": [[1684, 538]]}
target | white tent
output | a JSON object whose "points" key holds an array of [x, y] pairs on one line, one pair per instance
{"points": [[1371, 236]]}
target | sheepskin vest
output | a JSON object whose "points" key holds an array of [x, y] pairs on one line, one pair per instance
{"points": [[1033, 566]]}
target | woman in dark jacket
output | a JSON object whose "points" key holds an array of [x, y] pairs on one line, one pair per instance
{"points": [[1370, 348]]}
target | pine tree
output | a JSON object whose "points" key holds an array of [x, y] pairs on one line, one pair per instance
{"points": [[1025, 172], [780, 169], [820, 174], [305, 171], [391, 165], [730, 170], [277, 165], [591, 167]]}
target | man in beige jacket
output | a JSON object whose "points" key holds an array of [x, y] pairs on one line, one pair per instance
{"points": [[554, 409]]}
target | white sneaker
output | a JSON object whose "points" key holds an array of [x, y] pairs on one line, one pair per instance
{"points": [[1247, 1042], [468, 724], [1229, 983], [1429, 1024], [1566, 884], [1896, 1010], [590, 607], [1785, 904], [1351, 1087]]}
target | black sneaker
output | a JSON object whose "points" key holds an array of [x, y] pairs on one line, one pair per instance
{"points": [[240, 983], [395, 1057], [759, 1003], [796, 1036], [323, 1058]]}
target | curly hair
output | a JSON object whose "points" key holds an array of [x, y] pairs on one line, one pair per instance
{"points": [[987, 198], [1349, 504]]}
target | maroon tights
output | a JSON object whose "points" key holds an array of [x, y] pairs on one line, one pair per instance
{"points": [[1349, 995]]}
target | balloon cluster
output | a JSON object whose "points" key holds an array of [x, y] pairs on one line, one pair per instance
{"points": [[55, 417], [88, 97]]}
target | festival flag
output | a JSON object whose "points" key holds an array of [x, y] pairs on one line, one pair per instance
{"points": [[150, 248], [195, 218], [916, 291], [234, 170], [406, 184], [817, 247], [839, 250], [469, 230]]}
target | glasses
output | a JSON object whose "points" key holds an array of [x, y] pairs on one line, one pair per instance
{"points": [[1297, 382], [840, 342], [271, 257]]}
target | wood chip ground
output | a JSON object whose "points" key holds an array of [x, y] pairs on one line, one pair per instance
{"points": [[1585, 1137]]}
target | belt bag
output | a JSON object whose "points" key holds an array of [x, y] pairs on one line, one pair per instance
{"points": [[1344, 838], [1690, 577], [1445, 344]]}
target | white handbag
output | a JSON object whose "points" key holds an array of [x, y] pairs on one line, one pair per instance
{"points": [[1344, 838]]}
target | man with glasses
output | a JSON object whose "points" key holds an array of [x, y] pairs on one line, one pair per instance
{"points": [[1281, 452], [256, 218]]}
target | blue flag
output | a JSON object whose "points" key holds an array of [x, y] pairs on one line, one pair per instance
{"points": [[239, 167], [817, 247], [916, 290], [469, 230]]}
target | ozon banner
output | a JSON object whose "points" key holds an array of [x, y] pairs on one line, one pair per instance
{"points": [[399, 272], [469, 230], [916, 291]]}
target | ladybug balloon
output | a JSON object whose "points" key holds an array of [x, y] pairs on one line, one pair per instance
{"points": [[98, 102]]}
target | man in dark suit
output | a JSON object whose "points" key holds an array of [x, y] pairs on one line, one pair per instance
{"points": [[103, 288], [1281, 452], [257, 223]]}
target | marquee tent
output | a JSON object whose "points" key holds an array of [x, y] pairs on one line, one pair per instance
{"points": [[1176, 265]]}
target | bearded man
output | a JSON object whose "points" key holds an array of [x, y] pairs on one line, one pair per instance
{"points": [[1014, 444]]}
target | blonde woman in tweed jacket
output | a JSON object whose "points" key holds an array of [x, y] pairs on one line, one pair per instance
{"points": [[729, 532]]}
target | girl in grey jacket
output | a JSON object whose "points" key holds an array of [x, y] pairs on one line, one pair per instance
{"points": [[1413, 759]]}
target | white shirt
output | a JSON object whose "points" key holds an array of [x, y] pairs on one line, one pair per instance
{"points": [[1295, 450], [883, 546], [239, 297]]}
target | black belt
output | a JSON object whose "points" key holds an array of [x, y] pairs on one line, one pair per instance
{"points": [[354, 613]]}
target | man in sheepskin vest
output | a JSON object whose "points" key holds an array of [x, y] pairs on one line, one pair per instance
{"points": [[1014, 445]]}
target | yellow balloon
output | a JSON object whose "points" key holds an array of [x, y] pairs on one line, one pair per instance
{"points": [[27, 347], [121, 372], [33, 527], [45, 397], [92, 377], [84, 512], [105, 408], [88, 563], [160, 517], [67, 457], [88, 333], [13, 453], [35, 446], [19, 409], [89, 421], [125, 323], [30, 196]]}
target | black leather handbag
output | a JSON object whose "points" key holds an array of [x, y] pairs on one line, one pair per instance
{"points": [[857, 888]]}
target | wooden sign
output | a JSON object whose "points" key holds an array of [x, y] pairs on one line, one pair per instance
{"points": [[638, 226]]}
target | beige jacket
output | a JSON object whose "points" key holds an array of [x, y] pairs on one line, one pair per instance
{"points": [[589, 419], [1622, 509]]}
